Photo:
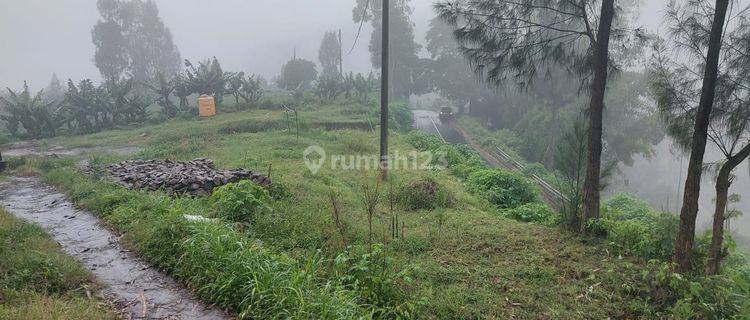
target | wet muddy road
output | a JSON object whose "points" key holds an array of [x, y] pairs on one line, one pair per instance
{"points": [[429, 121], [29, 149], [141, 291]]}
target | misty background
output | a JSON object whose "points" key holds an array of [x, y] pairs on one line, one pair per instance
{"points": [[42, 37], [256, 36]]}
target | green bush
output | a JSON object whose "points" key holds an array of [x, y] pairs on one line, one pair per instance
{"points": [[504, 189], [424, 194], [401, 117], [633, 228], [239, 202], [531, 212], [423, 141], [374, 277], [461, 159], [677, 296], [625, 207]]}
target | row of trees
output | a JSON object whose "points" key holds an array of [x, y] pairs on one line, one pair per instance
{"points": [[300, 74], [699, 79], [701, 82], [85, 107], [518, 43], [331, 85], [539, 105]]}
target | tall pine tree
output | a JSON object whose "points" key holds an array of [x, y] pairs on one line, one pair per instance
{"points": [[329, 53]]}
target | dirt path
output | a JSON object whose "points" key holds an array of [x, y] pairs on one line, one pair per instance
{"points": [[141, 291]]}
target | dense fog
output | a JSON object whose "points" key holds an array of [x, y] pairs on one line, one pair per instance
{"points": [[659, 179], [258, 36]]}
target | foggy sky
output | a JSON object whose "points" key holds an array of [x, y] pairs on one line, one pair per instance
{"points": [[41, 37]]}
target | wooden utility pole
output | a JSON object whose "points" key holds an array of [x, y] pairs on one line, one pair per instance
{"points": [[341, 56], [384, 94]]}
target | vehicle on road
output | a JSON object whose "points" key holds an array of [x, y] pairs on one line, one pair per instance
{"points": [[446, 114]]}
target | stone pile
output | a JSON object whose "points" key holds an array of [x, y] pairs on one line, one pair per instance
{"points": [[197, 177]]}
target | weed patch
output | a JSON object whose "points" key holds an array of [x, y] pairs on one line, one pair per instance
{"points": [[425, 193], [38, 281]]}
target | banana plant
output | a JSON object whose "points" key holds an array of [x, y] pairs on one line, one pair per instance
{"points": [[39, 118], [86, 102], [207, 78], [182, 89], [252, 88], [234, 85], [164, 89]]}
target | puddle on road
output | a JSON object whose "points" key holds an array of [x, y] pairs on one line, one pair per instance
{"points": [[141, 291]]}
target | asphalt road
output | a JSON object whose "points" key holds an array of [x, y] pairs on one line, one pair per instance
{"points": [[429, 121]]}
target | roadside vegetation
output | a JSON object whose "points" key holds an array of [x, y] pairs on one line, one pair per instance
{"points": [[289, 253], [38, 281], [446, 236]]}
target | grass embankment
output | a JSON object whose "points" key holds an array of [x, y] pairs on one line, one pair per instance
{"points": [[461, 260], [37, 281]]}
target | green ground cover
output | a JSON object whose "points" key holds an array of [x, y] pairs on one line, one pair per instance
{"points": [[37, 281], [302, 259]]}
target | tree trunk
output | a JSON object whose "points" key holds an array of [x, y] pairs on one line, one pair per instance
{"points": [[716, 252], [686, 234], [596, 109]]}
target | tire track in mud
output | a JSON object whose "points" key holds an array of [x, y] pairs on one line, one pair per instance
{"points": [[139, 290]]}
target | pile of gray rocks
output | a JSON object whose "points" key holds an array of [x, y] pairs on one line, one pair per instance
{"points": [[196, 178]]}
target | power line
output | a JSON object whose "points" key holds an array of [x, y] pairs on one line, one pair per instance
{"points": [[359, 30]]}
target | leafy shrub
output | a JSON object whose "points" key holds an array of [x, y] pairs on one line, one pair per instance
{"points": [[297, 74], [328, 86], [633, 228], [425, 194], [504, 189], [531, 212], [240, 201], [461, 159], [372, 275], [540, 171], [278, 191], [625, 207], [683, 297], [401, 117], [423, 141], [504, 139]]}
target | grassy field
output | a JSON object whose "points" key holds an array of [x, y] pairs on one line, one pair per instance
{"points": [[37, 281], [460, 260]]}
